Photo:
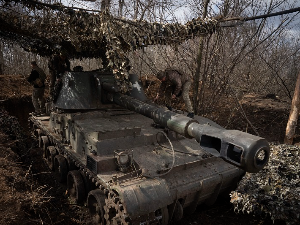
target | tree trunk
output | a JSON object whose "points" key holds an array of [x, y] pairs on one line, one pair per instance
{"points": [[136, 9], [105, 5], [121, 5], [199, 60], [292, 123], [1, 60]]}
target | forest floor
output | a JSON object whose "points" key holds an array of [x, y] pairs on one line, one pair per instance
{"points": [[29, 194]]}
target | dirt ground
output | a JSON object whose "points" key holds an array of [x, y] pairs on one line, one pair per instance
{"points": [[29, 194]]}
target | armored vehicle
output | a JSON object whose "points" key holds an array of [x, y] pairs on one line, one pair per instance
{"points": [[133, 162]]}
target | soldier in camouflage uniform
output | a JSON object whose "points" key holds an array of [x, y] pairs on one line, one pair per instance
{"points": [[37, 79], [58, 65], [180, 84]]}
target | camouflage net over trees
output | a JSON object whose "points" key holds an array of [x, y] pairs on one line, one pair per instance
{"points": [[43, 28]]}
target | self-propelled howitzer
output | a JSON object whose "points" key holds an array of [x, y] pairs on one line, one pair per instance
{"points": [[133, 161]]}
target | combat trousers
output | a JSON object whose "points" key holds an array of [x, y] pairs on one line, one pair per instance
{"points": [[38, 100], [52, 80], [186, 97]]}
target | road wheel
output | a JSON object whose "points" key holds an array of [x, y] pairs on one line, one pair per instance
{"points": [[95, 203], [75, 187], [164, 215], [51, 153], [60, 168], [44, 144]]}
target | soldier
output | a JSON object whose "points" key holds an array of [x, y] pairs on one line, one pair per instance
{"points": [[37, 78], [57, 65], [180, 84]]}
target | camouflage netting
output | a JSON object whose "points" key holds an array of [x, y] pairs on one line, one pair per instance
{"points": [[274, 191], [42, 28]]}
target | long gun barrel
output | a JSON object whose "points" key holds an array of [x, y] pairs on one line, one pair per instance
{"points": [[246, 151]]}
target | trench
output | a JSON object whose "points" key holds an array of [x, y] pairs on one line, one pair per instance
{"points": [[20, 108]]}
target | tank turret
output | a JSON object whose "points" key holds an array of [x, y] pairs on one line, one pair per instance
{"points": [[133, 161]]}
